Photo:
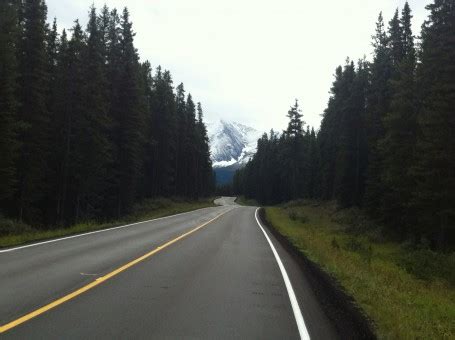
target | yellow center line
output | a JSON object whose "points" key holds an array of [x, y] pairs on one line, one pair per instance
{"points": [[100, 280]]}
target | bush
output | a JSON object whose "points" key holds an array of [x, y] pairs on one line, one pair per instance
{"points": [[296, 215], [11, 227], [426, 264], [365, 251], [292, 215]]}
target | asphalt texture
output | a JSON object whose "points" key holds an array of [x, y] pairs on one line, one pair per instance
{"points": [[221, 281]]}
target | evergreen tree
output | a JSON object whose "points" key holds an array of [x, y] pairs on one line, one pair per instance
{"points": [[328, 138], [8, 104], [314, 167], [205, 179], [62, 125], [129, 118], [351, 157], [295, 125], [434, 197], [293, 155], [70, 125], [92, 146], [191, 148], [378, 104], [400, 123], [181, 159], [395, 39], [33, 84], [163, 130], [146, 184]]}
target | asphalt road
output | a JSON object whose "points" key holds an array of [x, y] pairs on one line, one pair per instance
{"points": [[210, 273]]}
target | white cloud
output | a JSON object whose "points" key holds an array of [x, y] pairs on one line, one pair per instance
{"points": [[248, 60]]}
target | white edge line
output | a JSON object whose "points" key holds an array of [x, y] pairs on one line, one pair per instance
{"points": [[294, 303], [94, 232]]}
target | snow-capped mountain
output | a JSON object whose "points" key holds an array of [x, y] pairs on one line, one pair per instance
{"points": [[231, 143]]}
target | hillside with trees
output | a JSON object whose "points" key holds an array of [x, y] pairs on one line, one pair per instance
{"points": [[87, 130], [386, 142]]}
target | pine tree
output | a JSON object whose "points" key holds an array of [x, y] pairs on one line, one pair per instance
{"points": [[62, 122], [395, 39], [33, 84], [191, 148], [378, 104], [146, 184], [129, 118], [295, 126], [92, 143], [351, 154], [398, 145], [70, 125], [163, 130], [434, 197], [8, 105], [328, 138], [293, 154], [181, 159], [205, 179], [315, 166]]}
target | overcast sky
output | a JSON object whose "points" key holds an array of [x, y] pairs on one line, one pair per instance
{"points": [[247, 60]]}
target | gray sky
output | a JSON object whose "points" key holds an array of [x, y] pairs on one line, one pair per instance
{"points": [[247, 60]]}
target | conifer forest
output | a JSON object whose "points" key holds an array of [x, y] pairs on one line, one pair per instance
{"points": [[87, 129], [386, 141]]}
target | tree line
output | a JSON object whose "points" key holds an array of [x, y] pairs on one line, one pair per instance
{"points": [[386, 141], [86, 129]]}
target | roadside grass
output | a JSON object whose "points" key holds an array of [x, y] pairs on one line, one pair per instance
{"points": [[13, 233], [241, 200], [408, 293]]}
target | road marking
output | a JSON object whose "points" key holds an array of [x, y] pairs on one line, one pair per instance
{"points": [[92, 232], [294, 303], [101, 279]]}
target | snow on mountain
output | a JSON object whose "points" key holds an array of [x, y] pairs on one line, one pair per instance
{"points": [[231, 144]]}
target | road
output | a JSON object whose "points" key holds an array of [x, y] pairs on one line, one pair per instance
{"points": [[209, 273]]}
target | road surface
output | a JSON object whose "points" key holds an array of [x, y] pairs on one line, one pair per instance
{"points": [[210, 273]]}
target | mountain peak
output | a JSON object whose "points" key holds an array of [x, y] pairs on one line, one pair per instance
{"points": [[231, 143]]}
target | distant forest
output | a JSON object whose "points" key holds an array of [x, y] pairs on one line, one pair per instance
{"points": [[387, 137], [86, 130]]}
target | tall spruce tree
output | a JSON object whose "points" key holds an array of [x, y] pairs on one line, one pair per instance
{"points": [[191, 148], [434, 197], [293, 154], [205, 180], [182, 158], [163, 129], [378, 104], [328, 138], [92, 146], [351, 156], [33, 84], [62, 125], [9, 34], [130, 115], [398, 145]]}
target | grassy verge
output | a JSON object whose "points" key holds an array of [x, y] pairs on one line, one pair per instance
{"points": [[408, 293], [13, 233]]}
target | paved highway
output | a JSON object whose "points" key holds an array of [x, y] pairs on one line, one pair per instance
{"points": [[210, 273]]}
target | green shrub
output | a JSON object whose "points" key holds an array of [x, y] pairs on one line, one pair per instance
{"points": [[12, 227], [292, 215], [426, 264]]}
